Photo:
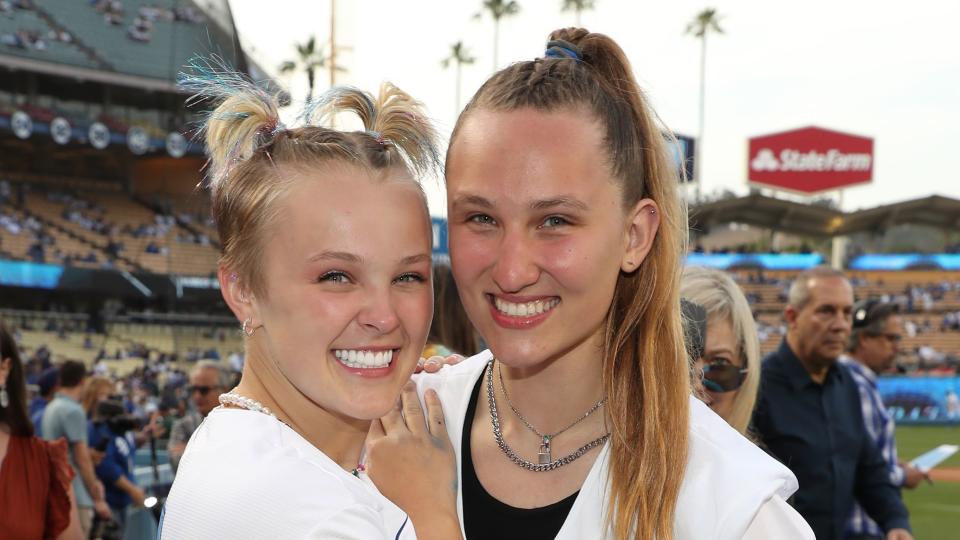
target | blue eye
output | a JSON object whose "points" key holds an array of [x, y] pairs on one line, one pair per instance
{"points": [[481, 219], [410, 278], [334, 276], [555, 221]]}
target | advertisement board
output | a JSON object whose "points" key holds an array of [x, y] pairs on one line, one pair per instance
{"points": [[921, 400], [810, 160]]}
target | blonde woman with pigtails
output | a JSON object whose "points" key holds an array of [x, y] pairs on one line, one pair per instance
{"points": [[566, 238], [326, 263]]}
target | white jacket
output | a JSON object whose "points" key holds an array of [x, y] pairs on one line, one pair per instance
{"points": [[731, 488]]}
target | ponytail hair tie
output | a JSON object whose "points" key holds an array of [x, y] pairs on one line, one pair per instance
{"points": [[559, 48]]}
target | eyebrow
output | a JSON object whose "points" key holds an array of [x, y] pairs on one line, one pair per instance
{"points": [[335, 255], [413, 259], [543, 204], [567, 201], [351, 258], [474, 200]]}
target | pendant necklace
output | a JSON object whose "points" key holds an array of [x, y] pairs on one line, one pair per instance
{"points": [[545, 461]]}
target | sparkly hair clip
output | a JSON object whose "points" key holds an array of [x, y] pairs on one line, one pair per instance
{"points": [[559, 48]]}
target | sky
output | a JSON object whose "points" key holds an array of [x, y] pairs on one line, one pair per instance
{"points": [[885, 70]]}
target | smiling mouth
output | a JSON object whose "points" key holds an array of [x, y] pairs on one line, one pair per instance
{"points": [[365, 359], [525, 309]]}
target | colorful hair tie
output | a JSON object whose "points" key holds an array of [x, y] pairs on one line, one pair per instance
{"points": [[559, 48]]}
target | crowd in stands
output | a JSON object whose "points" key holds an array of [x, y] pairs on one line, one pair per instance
{"points": [[24, 38], [141, 27]]}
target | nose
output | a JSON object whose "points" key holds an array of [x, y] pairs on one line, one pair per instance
{"points": [[515, 268], [379, 316]]}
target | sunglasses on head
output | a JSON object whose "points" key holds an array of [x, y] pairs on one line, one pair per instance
{"points": [[203, 390], [721, 378]]}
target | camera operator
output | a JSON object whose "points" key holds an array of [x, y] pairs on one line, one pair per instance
{"points": [[112, 434]]}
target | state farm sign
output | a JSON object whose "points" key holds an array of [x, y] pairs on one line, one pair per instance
{"points": [[809, 160]]}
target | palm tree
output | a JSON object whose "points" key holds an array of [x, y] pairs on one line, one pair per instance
{"points": [[705, 22], [498, 9], [578, 6], [459, 55], [309, 58]]}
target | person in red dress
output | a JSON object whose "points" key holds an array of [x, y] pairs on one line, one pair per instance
{"points": [[36, 498]]}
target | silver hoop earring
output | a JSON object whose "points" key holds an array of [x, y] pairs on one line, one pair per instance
{"points": [[246, 328], [4, 397]]}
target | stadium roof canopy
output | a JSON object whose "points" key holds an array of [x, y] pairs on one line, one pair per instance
{"points": [[767, 213], [933, 211], [820, 221], [143, 45]]}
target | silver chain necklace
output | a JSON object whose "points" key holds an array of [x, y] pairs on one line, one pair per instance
{"points": [[544, 456], [505, 448]]}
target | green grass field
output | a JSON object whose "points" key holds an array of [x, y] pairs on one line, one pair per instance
{"points": [[934, 509]]}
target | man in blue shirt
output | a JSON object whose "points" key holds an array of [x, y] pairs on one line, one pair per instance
{"points": [[808, 414], [873, 347]]}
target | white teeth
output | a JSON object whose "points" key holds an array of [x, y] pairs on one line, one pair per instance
{"points": [[525, 310], [363, 359]]}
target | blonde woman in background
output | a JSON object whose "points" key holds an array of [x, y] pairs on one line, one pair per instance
{"points": [[730, 365], [98, 389]]}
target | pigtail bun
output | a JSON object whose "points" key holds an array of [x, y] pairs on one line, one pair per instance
{"points": [[246, 116], [393, 119]]}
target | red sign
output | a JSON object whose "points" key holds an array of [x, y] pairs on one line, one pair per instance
{"points": [[810, 159]]}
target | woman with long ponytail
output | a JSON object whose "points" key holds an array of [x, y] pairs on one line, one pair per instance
{"points": [[567, 237]]}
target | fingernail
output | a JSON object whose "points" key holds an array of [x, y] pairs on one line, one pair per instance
{"points": [[432, 362]]}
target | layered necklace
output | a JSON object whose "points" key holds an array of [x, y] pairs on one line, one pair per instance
{"points": [[545, 461], [236, 400]]}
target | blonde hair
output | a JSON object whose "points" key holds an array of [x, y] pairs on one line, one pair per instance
{"points": [[248, 144], [723, 300], [94, 386], [645, 369]]}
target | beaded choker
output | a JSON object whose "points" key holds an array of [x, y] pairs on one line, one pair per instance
{"points": [[236, 400]]}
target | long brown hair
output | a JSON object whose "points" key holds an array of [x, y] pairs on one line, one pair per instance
{"points": [[14, 414], [451, 326], [645, 374]]}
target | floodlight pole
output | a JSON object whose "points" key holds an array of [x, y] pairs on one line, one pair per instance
{"points": [[333, 43]]}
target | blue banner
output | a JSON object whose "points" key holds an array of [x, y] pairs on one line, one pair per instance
{"points": [[28, 274], [440, 250], [905, 261], [767, 261], [921, 400]]}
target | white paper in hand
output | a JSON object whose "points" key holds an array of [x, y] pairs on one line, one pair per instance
{"points": [[934, 457]]}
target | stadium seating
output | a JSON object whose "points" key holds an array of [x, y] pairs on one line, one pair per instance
{"points": [[54, 50], [170, 45], [121, 220]]}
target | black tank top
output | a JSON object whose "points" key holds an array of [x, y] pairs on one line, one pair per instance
{"points": [[486, 517]]}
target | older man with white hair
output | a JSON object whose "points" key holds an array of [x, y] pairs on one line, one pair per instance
{"points": [[207, 381]]}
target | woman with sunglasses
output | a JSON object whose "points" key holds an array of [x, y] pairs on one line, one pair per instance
{"points": [[730, 364]]}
